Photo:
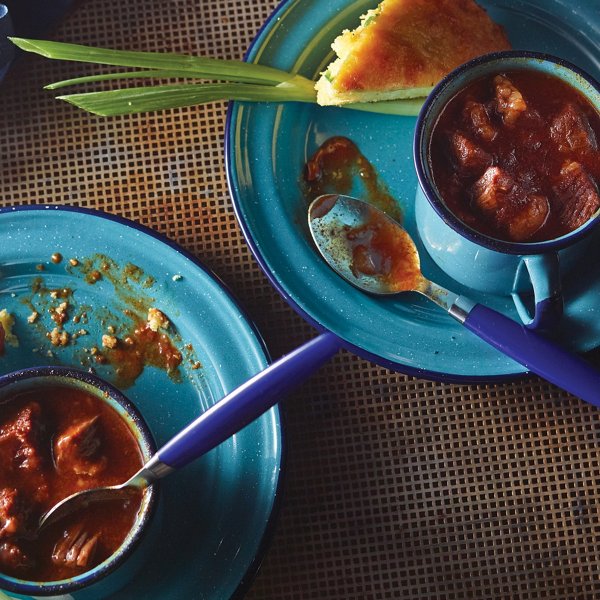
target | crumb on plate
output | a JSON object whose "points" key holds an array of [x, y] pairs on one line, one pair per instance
{"points": [[7, 321], [58, 337], [157, 320], [109, 341]]}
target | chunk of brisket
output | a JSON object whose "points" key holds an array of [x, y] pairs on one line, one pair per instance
{"points": [[479, 121], [24, 433], [572, 132], [493, 190], [524, 223], [14, 513], [77, 449], [468, 157], [508, 205], [76, 548], [576, 195], [510, 103]]}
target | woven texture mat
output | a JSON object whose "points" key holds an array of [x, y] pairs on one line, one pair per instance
{"points": [[394, 487]]}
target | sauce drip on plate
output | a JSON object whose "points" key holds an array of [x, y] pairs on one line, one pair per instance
{"points": [[339, 167], [141, 347]]}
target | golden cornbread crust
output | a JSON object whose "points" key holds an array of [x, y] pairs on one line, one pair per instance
{"points": [[406, 44]]}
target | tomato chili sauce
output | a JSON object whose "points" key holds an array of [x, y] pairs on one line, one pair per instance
{"points": [[339, 167], [141, 346], [383, 250], [55, 441], [515, 156]]}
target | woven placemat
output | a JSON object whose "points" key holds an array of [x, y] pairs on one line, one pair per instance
{"points": [[394, 487]]}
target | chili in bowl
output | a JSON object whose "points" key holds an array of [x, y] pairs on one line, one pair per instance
{"points": [[508, 161], [61, 431]]}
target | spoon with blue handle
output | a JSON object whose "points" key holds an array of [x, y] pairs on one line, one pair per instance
{"points": [[374, 253], [225, 418]]}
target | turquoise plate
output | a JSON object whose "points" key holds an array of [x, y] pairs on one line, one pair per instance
{"points": [[218, 509], [268, 144]]}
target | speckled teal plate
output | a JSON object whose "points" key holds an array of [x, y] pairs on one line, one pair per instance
{"points": [[268, 144], [217, 510]]}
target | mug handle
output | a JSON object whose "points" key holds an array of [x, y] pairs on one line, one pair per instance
{"points": [[544, 274]]}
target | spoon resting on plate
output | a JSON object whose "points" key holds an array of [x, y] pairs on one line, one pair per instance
{"points": [[375, 254]]}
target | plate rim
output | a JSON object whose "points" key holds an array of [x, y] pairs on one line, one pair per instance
{"points": [[248, 576]]}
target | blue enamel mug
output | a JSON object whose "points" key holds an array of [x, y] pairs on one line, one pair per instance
{"points": [[530, 272]]}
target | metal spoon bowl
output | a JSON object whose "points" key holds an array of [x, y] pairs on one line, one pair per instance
{"points": [[369, 249], [148, 474]]}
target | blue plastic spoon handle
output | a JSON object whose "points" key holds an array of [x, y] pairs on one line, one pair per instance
{"points": [[539, 354], [247, 402]]}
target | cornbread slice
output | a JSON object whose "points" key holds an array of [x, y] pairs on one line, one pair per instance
{"points": [[404, 47]]}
